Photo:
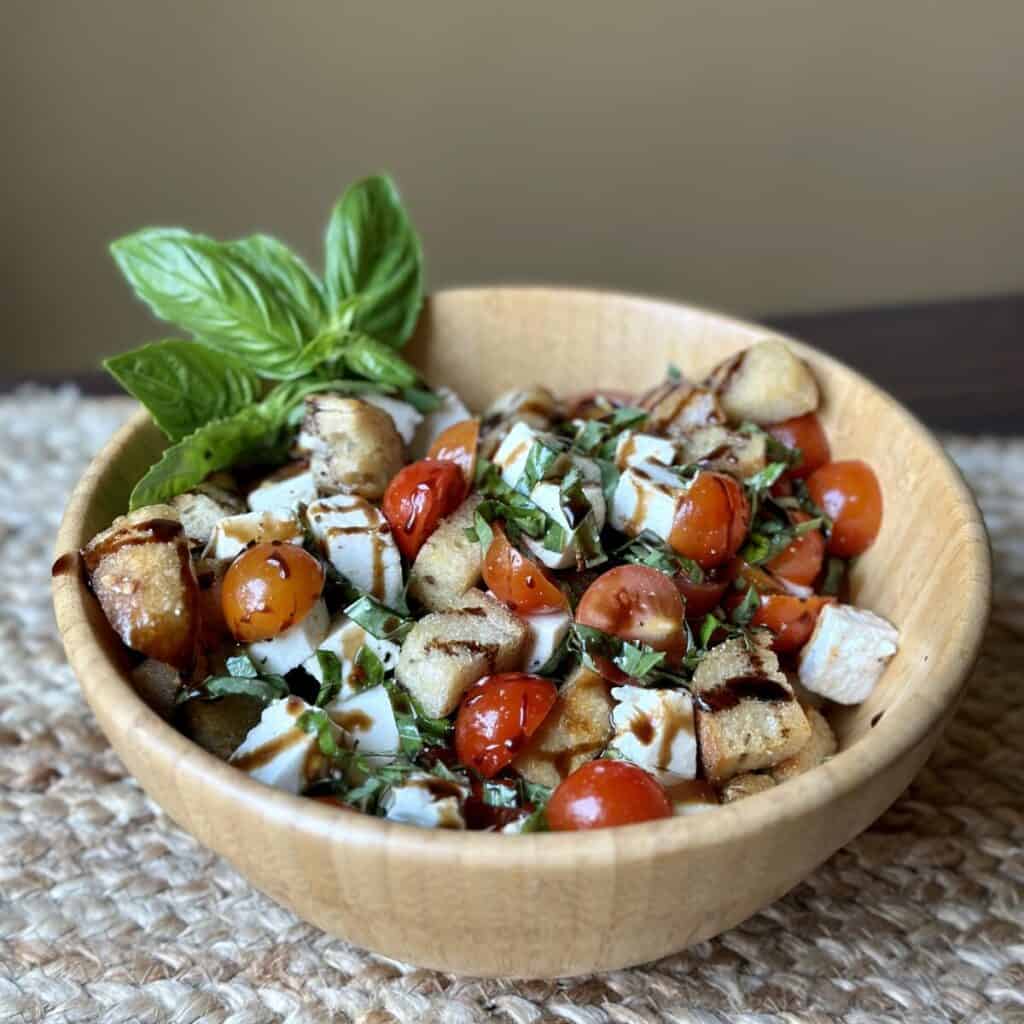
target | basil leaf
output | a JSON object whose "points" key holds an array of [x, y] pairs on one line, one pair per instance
{"points": [[374, 252], [499, 794], [241, 665], [330, 667], [422, 400], [481, 532], [536, 822], [767, 477], [539, 461], [744, 611], [673, 373], [835, 575], [378, 620], [372, 359], [212, 292], [263, 688], [708, 627], [404, 703], [368, 669], [650, 550], [635, 659], [319, 724]]}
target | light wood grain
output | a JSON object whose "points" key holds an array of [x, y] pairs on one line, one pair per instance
{"points": [[551, 905]]}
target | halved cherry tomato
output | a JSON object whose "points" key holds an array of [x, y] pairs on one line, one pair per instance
{"points": [[700, 598], [497, 717], [790, 618], [806, 433], [418, 498], [518, 581], [800, 562], [458, 444], [637, 603], [606, 793], [711, 521], [849, 494], [268, 588]]}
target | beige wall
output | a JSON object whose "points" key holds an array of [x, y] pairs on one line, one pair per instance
{"points": [[758, 156]]}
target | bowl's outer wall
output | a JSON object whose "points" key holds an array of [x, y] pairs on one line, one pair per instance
{"points": [[554, 905]]}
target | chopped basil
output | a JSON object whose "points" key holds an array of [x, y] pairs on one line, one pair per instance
{"points": [[835, 575], [539, 462], [378, 620], [744, 611], [774, 448], [600, 436], [500, 794], [330, 667], [241, 666], [536, 822], [609, 478], [437, 730], [650, 550], [318, 723], [421, 399], [674, 374], [262, 688], [708, 627], [636, 660], [368, 669], [766, 478]]}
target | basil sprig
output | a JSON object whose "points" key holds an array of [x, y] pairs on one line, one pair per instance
{"points": [[636, 660], [242, 679]]}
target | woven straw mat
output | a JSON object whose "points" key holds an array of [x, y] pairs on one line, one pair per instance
{"points": [[109, 912]]}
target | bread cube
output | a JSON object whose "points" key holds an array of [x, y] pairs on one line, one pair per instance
{"points": [[427, 801], [655, 729], [435, 423], [575, 731], [288, 650], [747, 715], [726, 451], [141, 572], [449, 563], [676, 407], [233, 534], [817, 750], [283, 492], [765, 383], [201, 509], [847, 653], [157, 684], [219, 726], [447, 651], [536, 407], [742, 786]]}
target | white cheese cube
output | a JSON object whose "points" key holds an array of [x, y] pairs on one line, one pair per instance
{"points": [[277, 752], [291, 648], [655, 729], [368, 722], [426, 800], [514, 450], [282, 493], [847, 653], [405, 416], [691, 796], [544, 636], [356, 538], [233, 534], [435, 423], [633, 448], [547, 496], [646, 497], [344, 640]]}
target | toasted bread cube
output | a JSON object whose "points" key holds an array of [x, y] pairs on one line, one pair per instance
{"points": [[157, 684], [435, 423], [747, 716], [655, 729], [847, 653], [536, 407], [219, 726], [726, 451], [141, 573], [742, 786], [283, 492], [575, 731], [765, 383], [201, 509], [353, 447], [676, 407], [447, 651], [449, 563], [817, 750]]}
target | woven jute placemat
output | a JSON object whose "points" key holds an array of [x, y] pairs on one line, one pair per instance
{"points": [[110, 912]]}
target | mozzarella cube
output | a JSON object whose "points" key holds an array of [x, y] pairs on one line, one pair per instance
{"points": [[646, 497], [633, 449], [514, 450], [655, 729], [344, 640], [427, 801], [291, 648], [233, 534], [277, 752], [544, 636], [434, 424], [405, 416], [368, 722], [847, 653], [283, 492], [356, 538], [547, 496]]}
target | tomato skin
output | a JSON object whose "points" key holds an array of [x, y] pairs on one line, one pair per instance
{"points": [[636, 603], [418, 498], [700, 598], [518, 581], [497, 716], [791, 619], [458, 444], [602, 794], [268, 588], [849, 494], [806, 433], [712, 520], [801, 562]]}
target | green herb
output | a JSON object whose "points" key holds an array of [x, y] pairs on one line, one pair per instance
{"points": [[519, 514], [437, 730], [481, 533], [330, 668], [600, 436], [368, 669], [835, 575], [636, 660], [708, 627], [771, 537], [263, 688], [609, 479], [499, 794], [744, 611], [674, 374], [378, 620], [540, 459], [422, 400], [319, 724], [241, 665], [766, 478], [774, 448], [650, 550], [535, 822], [366, 357]]}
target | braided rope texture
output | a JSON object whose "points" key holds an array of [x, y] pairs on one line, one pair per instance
{"points": [[109, 912]]}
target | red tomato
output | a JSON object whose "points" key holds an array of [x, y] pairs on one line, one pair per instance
{"points": [[801, 561], [517, 580], [712, 520], [635, 602], [269, 588], [606, 793], [700, 598], [458, 444], [418, 498], [849, 494], [497, 716], [807, 434], [790, 618]]}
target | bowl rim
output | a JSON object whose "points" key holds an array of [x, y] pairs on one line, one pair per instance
{"points": [[905, 725]]}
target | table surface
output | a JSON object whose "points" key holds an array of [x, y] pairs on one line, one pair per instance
{"points": [[958, 365]]}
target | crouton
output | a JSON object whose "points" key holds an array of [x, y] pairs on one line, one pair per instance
{"points": [[158, 685], [201, 509], [676, 407], [817, 750], [726, 451], [537, 407], [219, 726], [353, 446], [447, 651], [449, 563], [765, 383], [747, 716], [575, 731], [748, 784], [141, 573]]}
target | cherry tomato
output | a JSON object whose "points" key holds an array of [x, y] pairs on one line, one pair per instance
{"points": [[418, 498], [517, 580], [790, 618], [711, 521], [807, 434], [849, 494], [801, 561], [458, 444], [606, 793], [635, 602], [497, 716], [268, 588], [700, 598]]}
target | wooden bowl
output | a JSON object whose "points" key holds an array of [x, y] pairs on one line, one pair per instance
{"points": [[560, 904]]}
